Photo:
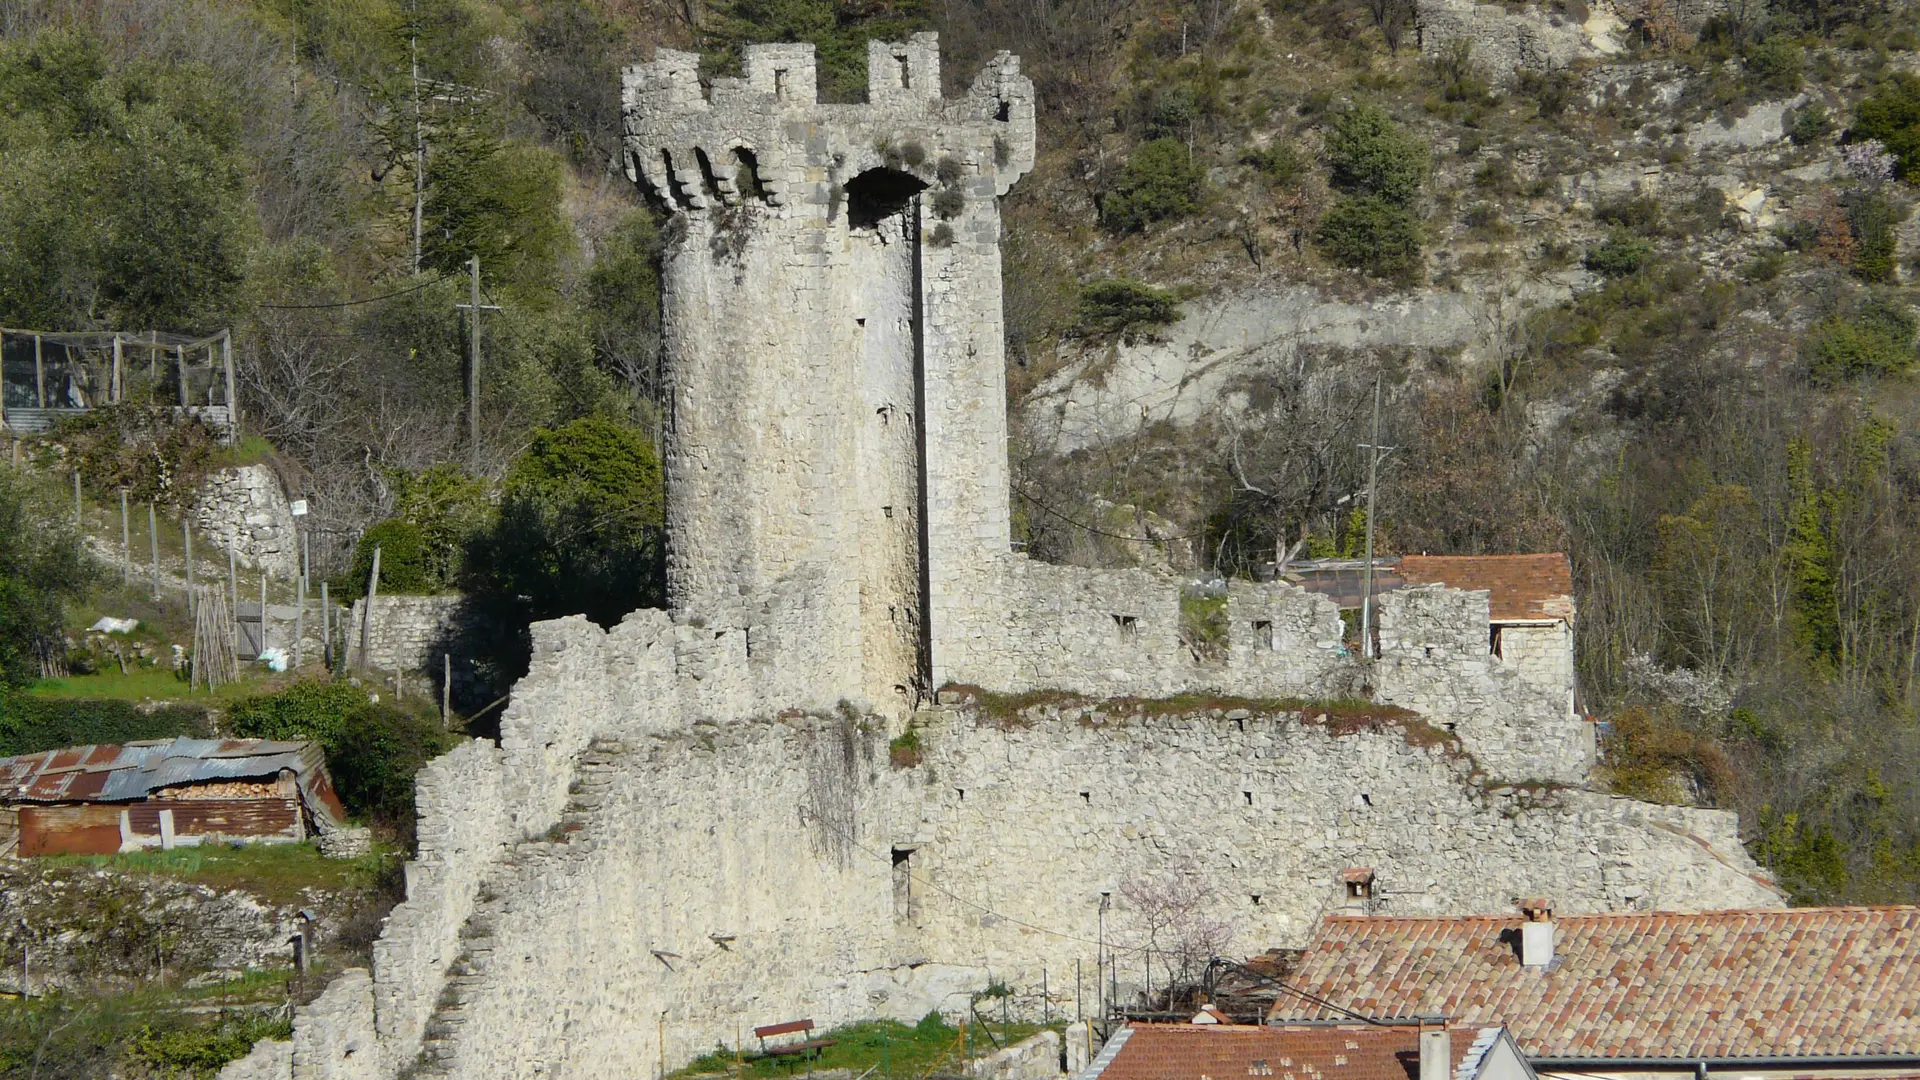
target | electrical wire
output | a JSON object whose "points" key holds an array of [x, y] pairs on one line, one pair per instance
{"points": [[356, 303], [1110, 947], [1051, 512]]}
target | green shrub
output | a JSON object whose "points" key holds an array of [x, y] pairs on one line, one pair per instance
{"points": [[29, 725], [1810, 124], [42, 565], [1620, 254], [1872, 218], [1124, 308], [579, 528], [406, 562], [1160, 182], [202, 1051], [1774, 65], [1279, 163], [316, 710], [1374, 234], [1371, 155], [373, 749], [155, 456], [948, 202], [1877, 340], [1641, 213], [1892, 115]]}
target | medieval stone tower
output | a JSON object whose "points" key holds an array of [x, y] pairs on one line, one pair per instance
{"points": [[836, 445]]}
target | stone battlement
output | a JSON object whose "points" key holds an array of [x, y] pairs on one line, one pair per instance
{"points": [[765, 138]]}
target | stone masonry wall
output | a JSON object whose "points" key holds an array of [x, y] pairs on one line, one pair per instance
{"points": [[243, 510], [406, 633], [1435, 660], [689, 877], [1116, 633]]}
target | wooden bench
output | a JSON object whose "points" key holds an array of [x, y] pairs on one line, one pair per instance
{"points": [[807, 1044]]}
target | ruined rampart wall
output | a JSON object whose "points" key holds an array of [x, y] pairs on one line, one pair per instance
{"points": [[764, 869], [1117, 633]]}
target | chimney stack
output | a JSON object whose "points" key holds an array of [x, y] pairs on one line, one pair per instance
{"points": [[1536, 933], [1356, 890], [1436, 1050]]}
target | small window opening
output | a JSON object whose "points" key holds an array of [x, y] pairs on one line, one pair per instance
{"points": [[1248, 796], [1239, 725], [962, 792], [1128, 625], [1493, 642], [1366, 797], [1087, 797], [1263, 632], [887, 510], [746, 640], [780, 83], [1004, 113], [1255, 897], [906, 72], [905, 889]]}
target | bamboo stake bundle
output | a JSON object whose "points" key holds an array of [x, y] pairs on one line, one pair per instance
{"points": [[213, 640]]}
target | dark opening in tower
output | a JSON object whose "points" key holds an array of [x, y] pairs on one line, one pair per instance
{"points": [[878, 194]]}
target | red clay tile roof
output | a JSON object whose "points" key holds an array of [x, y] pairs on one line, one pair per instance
{"points": [[1809, 982], [1288, 1052], [1521, 586]]}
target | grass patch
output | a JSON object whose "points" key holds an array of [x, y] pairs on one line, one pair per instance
{"points": [[276, 873], [888, 1047], [905, 751], [147, 684]]}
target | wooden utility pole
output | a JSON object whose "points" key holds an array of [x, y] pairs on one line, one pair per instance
{"points": [[366, 617], [153, 546], [186, 540], [113, 394], [126, 543], [233, 399], [180, 372], [473, 310], [39, 373], [1374, 453]]}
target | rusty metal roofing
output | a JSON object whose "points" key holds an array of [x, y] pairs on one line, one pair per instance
{"points": [[1807, 982], [128, 773]]}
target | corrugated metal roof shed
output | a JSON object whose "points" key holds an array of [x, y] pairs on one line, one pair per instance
{"points": [[106, 773]]}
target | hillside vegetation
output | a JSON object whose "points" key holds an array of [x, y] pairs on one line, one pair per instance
{"points": [[1705, 399]]}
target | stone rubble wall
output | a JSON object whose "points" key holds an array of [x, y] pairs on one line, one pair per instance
{"points": [[1542, 655], [407, 634], [463, 826], [244, 510], [1116, 633], [1034, 1058], [1036, 814], [1435, 660], [766, 869]]}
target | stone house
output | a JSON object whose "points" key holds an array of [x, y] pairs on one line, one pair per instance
{"points": [[1807, 992], [1529, 600], [99, 800]]}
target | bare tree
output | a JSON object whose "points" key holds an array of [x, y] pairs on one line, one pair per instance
{"points": [[1171, 917]]}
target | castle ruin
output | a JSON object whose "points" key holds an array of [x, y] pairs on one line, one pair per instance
{"points": [[694, 822]]}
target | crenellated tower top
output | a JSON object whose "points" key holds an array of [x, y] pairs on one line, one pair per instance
{"points": [[767, 137]]}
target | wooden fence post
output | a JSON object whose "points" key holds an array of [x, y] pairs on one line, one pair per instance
{"points": [[366, 616]]}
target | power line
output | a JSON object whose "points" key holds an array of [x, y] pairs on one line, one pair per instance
{"points": [[355, 303], [1017, 490]]}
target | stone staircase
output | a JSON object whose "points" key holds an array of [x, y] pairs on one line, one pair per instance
{"points": [[568, 839]]}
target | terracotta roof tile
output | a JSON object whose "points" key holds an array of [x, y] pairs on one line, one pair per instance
{"points": [[1237, 1052], [1520, 586], [1806, 982]]}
